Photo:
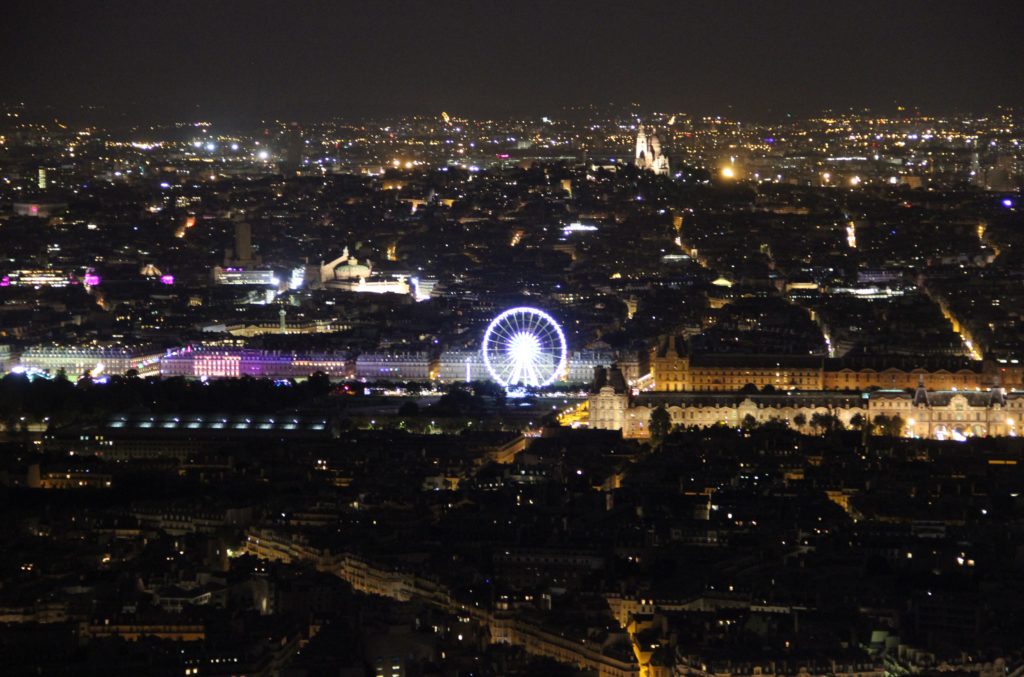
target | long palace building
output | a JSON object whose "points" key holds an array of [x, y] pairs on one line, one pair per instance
{"points": [[941, 399], [673, 369], [236, 362]]}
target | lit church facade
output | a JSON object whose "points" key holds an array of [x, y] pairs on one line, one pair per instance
{"points": [[648, 152]]}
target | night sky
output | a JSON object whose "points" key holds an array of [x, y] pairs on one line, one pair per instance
{"points": [[236, 61]]}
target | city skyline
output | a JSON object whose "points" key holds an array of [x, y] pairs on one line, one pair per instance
{"points": [[356, 340], [237, 62]]}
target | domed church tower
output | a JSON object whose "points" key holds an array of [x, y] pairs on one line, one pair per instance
{"points": [[643, 150], [648, 152]]}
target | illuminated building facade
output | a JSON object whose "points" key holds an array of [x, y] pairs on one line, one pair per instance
{"points": [[286, 327], [416, 366], [265, 278], [346, 273], [39, 209], [703, 410], [934, 414], [648, 151], [581, 364], [454, 366], [609, 400], [468, 365], [36, 278], [953, 414], [97, 360], [674, 370], [839, 377], [232, 363], [40, 477]]}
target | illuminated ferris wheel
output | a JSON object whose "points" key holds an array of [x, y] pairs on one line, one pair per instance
{"points": [[524, 347]]}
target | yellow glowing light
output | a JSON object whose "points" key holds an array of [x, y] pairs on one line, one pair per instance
{"points": [[826, 177], [854, 180], [728, 173]]}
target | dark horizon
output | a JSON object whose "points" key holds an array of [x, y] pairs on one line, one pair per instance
{"points": [[236, 63]]}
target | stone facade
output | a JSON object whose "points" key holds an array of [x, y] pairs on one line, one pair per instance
{"points": [[673, 369], [937, 414], [648, 152]]}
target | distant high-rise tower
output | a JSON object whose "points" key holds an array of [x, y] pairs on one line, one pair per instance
{"points": [[648, 152], [241, 256], [48, 178], [977, 175], [1002, 175], [243, 241], [294, 147]]}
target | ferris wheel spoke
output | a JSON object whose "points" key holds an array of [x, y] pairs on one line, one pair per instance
{"points": [[535, 379], [526, 373], [503, 328], [535, 324], [503, 334], [509, 370], [507, 338], [505, 374], [516, 373]]}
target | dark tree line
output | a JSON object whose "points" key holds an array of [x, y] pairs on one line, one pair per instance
{"points": [[61, 401]]}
